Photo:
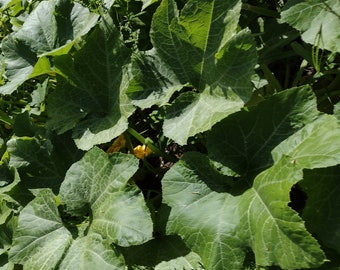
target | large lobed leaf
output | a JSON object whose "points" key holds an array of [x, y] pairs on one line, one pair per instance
{"points": [[198, 46], [41, 241], [220, 216], [97, 192], [90, 100], [40, 238], [51, 28], [317, 20], [100, 182]]}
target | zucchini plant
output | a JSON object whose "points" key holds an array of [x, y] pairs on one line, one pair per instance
{"points": [[169, 134]]}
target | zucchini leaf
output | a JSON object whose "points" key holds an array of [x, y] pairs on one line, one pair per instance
{"points": [[90, 100], [199, 47], [222, 215], [96, 206], [51, 28], [316, 20]]}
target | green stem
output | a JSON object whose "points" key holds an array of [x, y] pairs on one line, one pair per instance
{"points": [[128, 142], [299, 74], [271, 78]]}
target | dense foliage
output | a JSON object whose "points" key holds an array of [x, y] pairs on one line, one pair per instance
{"points": [[173, 134]]}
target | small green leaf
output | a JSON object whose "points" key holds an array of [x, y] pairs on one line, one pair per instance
{"points": [[38, 98]]}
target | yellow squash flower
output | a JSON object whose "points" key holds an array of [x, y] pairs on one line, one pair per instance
{"points": [[141, 151]]}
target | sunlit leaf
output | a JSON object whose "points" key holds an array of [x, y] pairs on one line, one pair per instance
{"points": [[99, 184], [51, 28], [316, 20], [221, 216], [199, 47]]}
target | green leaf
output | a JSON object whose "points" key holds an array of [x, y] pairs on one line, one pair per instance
{"points": [[321, 211], [92, 252], [38, 98], [8, 222], [259, 218], [316, 20], [12, 189], [54, 25], [147, 3], [201, 48], [246, 138], [92, 102], [192, 113], [310, 147], [6, 265], [50, 29], [251, 211], [5, 211], [99, 183], [98, 206], [42, 163], [40, 239], [33, 159], [23, 126], [152, 83], [19, 61], [189, 42], [41, 67]]}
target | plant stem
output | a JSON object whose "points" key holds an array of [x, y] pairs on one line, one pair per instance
{"points": [[271, 78]]}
